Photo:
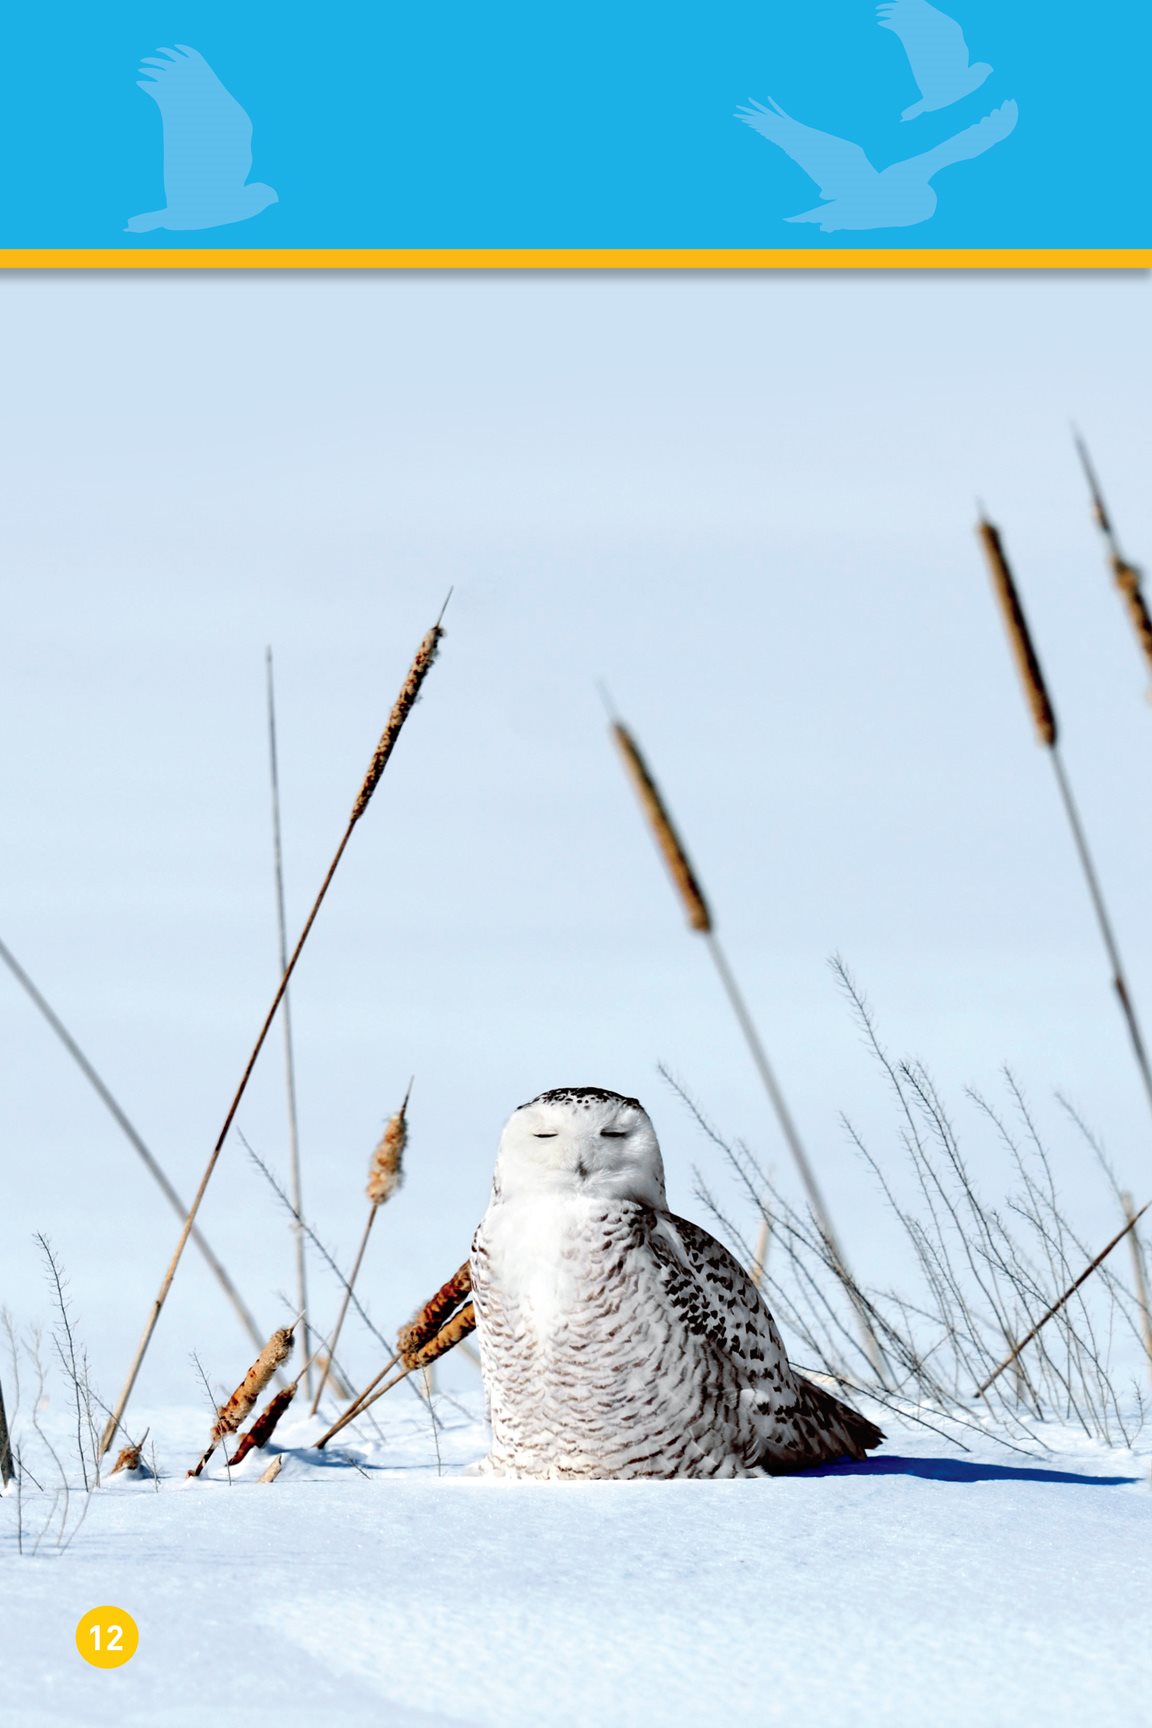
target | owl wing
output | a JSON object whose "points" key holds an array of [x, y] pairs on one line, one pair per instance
{"points": [[934, 43], [796, 1424]]}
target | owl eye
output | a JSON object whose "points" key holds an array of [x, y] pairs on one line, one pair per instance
{"points": [[550, 1136], [613, 1133]]}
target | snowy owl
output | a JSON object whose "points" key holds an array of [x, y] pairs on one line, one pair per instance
{"points": [[617, 1339]]}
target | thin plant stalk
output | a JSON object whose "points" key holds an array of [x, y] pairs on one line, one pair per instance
{"points": [[131, 1134], [1141, 1279], [1060, 1301], [425, 655], [700, 919], [352, 1276], [760, 1257], [1044, 717], [286, 1018]]}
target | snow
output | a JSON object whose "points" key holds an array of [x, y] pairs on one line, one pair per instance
{"points": [[928, 1585]]}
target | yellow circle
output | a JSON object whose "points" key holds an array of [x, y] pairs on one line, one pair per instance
{"points": [[107, 1637]]}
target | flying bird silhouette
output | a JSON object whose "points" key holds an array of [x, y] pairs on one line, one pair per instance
{"points": [[857, 195], [937, 54], [207, 146]]}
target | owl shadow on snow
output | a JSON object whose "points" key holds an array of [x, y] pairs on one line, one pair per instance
{"points": [[960, 1470]]}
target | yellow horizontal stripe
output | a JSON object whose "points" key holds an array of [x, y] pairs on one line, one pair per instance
{"points": [[571, 258]]}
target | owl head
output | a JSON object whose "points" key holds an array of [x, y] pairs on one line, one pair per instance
{"points": [[580, 1140]]}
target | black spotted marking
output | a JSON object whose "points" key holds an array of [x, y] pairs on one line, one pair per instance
{"points": [[585, 1096]]}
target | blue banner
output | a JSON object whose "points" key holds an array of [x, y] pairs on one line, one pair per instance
{"points": [[830, 124]]}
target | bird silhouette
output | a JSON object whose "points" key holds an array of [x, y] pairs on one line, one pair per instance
{"points": [[857, 195], [937, 54], [207, 146]]}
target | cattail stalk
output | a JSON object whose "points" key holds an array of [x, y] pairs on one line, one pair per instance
{"points": [[1140, 1277], [1127, 575], [296, 1187], [450, 1334], [236, 1410], [273, 1469], [135, 1140], [1059, 1303], [385, 1174], [700, 919], [1044, 717], [425, 655], [760, 1258]]}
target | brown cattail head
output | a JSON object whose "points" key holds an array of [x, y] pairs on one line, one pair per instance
{"points": [[128, 1459], [1025, 655], [427, 1321], [264, 1426], [667, 838], [450, 1334], [1128, 581], [401, 709], [239, 1407], [386, 1172]]}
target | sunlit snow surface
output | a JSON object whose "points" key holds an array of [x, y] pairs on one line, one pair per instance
{"points": [[929, 1586]]}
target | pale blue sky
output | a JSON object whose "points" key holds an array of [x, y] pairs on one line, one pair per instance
{"points": [[746, 503]]}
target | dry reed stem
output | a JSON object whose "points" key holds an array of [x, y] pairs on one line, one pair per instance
{"points": [[1140, 1278], [264, 1426], [423, 660], [128, 1129], [1059, 1303], [289, 1046], [667, 839], [1027, 663], [274, 1468], [459, 1326], [760, 1258]]}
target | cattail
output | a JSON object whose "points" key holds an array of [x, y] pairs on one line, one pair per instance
{"points": [[401, 709], [239, 1407], [127, 1459], [386, 1172], [6, 1471], [427, 1321], [274, 1468], [264, 1426], [243, 1401], [1128, 581], [1025, 654], [667, 839]]}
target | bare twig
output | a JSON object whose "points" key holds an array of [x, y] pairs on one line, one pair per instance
{"points": [[425, 655]]}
